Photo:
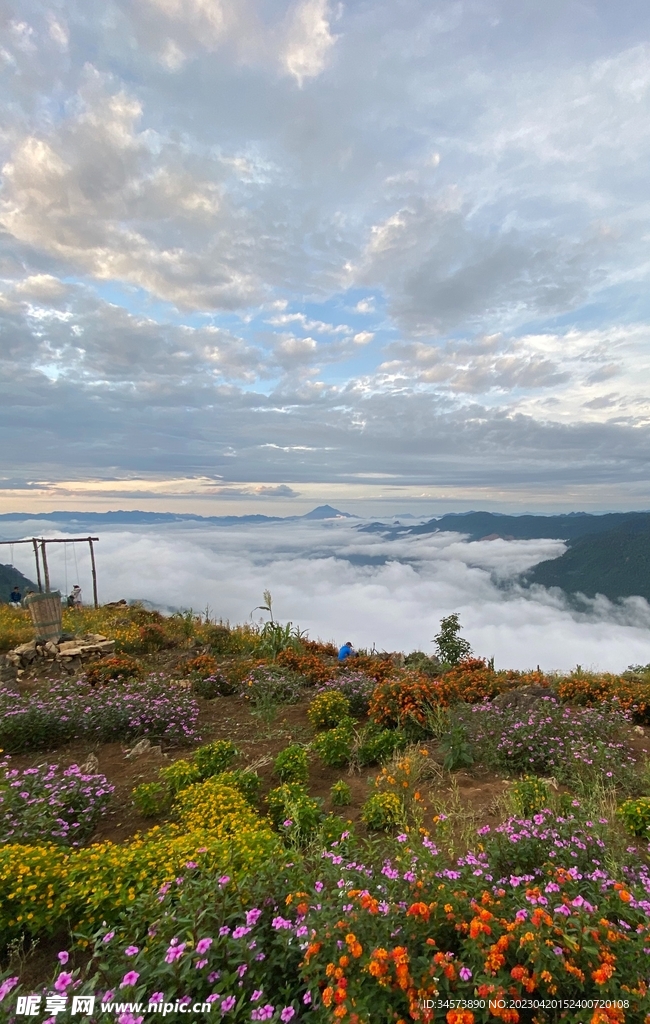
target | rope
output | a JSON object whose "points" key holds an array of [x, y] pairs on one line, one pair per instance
{"points": [[65, 564], [76, 567]]}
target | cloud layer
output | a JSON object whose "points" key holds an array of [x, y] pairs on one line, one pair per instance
{"points": [[342, 584]]}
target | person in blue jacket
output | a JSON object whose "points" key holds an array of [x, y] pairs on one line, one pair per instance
{"points": [[347, 651]]}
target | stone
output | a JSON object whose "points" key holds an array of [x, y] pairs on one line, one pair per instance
{"points": [[90, 765], [140, 748], [70, 650], [639, 730], [24, 648]]}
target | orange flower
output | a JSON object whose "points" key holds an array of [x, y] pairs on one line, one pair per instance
{"points": [[603, 974], [418, 910], [328, 994], [460, 1017], [344, 961]]}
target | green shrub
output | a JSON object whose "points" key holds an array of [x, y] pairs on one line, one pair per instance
{"points": [[152, 637], [382, 811], [376, 744], [216, 685], [294, 812], [332, 831], [179, 775], [291, 764], [220, 639], [151, 799], [457, 749], [213, 758], [266, 688], [334, 747], [635, 815], [529, 796], [341, 794], [327, 709], [246, 782]]}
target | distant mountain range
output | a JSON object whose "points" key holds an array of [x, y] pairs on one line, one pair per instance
{"points": [[144, 518], [570, 527], [607, 554]]}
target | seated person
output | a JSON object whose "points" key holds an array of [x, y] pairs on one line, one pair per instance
{"points": [[347, 651]]}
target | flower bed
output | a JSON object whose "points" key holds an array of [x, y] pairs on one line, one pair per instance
{"points": [[69, 711], [47, 803], [43, 886], [633, 694], [356, 686], [573, 745], [360, 937]]}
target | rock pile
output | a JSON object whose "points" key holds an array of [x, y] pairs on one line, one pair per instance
{"points": [[69, 653]]}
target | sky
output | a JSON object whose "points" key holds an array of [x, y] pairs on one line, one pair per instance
{"points": [[341, 583], [387, 254]]}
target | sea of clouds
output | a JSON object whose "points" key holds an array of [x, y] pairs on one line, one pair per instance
{"points": [[341, 583]]}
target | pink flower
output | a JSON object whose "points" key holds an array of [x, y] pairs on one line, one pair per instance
{"points": [[131, 951], [253, 916], [213, 998], [174, 952], [157, 997], [7, 986], [465, 973], [63, 957], [62, 982], [130, 978], [200, 964], [287, 1014], [307, 998], [108, 936], [128, 1018], [228, 1004], [203, 945]]}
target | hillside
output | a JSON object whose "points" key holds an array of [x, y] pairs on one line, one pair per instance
{"points": [[9, 578], [615, 563], [478, 525]]}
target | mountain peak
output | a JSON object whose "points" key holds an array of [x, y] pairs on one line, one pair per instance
{"points": [[327, 512]]}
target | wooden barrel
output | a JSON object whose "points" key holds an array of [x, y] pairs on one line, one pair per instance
{"points": [[46, 611]]}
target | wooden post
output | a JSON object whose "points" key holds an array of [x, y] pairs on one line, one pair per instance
{"points": [[46, 571], [38, 566], [94, 570]]}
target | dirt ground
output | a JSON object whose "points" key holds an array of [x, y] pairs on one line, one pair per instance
{"points": [[476, 791]]}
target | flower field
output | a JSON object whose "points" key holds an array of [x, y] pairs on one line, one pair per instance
{"points": [[393, 840]]}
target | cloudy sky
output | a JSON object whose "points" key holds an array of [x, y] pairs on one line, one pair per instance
{"points": [[391, 254]]}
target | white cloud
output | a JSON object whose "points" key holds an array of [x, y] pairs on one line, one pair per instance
{"points": [[309, 39], [396, 605]]}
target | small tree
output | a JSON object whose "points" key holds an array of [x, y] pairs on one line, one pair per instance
{"points": [[450, 646]]}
